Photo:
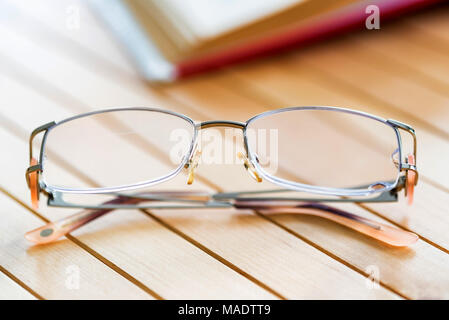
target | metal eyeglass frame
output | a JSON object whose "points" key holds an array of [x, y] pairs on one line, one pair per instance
{"points": [[245, 199]]}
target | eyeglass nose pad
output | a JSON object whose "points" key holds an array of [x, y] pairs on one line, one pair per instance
{"points": [[249, 167], [395, 158], [191, 165]]}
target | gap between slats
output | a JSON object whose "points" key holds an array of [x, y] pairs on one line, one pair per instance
{"points": [[18, 281]]}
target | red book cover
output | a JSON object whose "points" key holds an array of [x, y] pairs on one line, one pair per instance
{"points": [[349, 19], [154, 67]]}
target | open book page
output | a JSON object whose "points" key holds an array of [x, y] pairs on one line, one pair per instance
{"points": [[209, 18]]}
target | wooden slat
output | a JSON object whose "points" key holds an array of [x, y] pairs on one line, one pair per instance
{"points": [[13, 291], [385, 84], [387, 50]]}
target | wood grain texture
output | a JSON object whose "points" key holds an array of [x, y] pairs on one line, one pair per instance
{"points": [[218, 229], [11, 290], [229, 254]]}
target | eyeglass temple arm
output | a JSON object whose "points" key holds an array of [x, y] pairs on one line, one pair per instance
{"points": [[32, 172], [387, 234], [52, 231]]}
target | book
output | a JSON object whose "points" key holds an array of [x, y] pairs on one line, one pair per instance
{"points": [[172, 39]]}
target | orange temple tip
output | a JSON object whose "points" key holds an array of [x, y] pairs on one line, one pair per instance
{"points": [[407, 240], [44, 234], [411, 181], [34, 189], [387, 234]]}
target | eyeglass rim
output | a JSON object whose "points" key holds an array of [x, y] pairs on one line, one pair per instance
{"points": [[51, 188], [318, 189], [244, 125]]}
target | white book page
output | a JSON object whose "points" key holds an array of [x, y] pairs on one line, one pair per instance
{"points": [[209, 18]]}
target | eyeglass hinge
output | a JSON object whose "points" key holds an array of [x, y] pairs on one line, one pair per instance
{"points": [[408, 166], [30, 170], [401, 125], [35, 132], [400, 185]]}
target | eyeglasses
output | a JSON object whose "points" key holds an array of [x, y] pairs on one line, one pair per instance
{"points": [[340, 154]]}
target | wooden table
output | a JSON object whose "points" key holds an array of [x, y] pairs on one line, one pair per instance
{"points": [[49, 71]]}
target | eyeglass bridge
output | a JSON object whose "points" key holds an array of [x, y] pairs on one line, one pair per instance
{"points": [[192, 163]]}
